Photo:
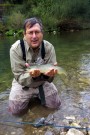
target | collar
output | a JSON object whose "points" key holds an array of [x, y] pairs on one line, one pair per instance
{"points": [[30, 48]]}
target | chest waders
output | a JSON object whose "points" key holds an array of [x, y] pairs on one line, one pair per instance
{"points": [[41, 91]]}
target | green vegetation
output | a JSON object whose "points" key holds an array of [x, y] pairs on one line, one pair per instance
{"points": [[55, 14]]}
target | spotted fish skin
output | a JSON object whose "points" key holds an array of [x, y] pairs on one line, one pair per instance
{"points": [[46, 67]]}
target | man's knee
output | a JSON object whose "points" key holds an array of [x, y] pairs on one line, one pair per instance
{"points": [[51, 96], [17, 112], [17, 108], [53, 101]]}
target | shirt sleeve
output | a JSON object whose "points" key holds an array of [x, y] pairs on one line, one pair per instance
{"points": [[18, 67], [50, 55]]}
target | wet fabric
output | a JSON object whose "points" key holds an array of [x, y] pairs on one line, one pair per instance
{"points": [[19, 98]]}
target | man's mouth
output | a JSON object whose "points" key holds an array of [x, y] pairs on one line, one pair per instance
{"points": [[35, 41]]}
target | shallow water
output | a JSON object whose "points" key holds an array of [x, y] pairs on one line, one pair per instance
{"points": [[73, 54]]}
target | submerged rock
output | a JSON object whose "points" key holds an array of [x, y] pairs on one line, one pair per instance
{"points": [[49, 133], [73, 131]]}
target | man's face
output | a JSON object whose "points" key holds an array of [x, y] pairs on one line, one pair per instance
{"points": [[34, 36]]}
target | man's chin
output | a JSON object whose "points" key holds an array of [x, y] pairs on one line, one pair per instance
{"points": [[35, 46]]}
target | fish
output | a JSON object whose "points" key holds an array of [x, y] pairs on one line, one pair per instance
{"points": [[46, 67]]}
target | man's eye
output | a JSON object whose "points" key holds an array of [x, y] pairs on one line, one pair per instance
{"points": [[37, 32], [34, 32], [30, 33]]}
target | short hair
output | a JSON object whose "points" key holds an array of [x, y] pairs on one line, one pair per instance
{"points": [[32, 21]]}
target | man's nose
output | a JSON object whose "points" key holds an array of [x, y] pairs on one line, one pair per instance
{"points": [[34, 34]]}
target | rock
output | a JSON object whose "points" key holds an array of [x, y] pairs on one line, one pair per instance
{"points": [[49, 133], [13, 133], [73, 131], [75, 125], [63, 133], [89, 130], [70, 118]]}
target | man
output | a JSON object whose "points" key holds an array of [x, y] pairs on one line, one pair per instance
{"points": [[25, 85]]}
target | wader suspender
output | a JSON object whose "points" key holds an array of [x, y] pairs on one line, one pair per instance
{"points": [[41, 91]]}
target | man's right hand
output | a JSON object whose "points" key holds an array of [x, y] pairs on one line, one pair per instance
{"points": [[34, 73]]}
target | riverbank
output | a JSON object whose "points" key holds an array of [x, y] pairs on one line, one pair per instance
{"points": [[62, 26]]}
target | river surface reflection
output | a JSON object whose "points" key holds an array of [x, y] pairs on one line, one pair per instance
{"points": [[73, 54]]}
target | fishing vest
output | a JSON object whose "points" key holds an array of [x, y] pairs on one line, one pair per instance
{"points": [[41, 91]]}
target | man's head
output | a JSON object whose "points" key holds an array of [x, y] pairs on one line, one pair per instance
{"points": [[33, 32]]}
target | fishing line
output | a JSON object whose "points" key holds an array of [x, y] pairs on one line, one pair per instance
{"points": [[8, 124], [43, 124]]}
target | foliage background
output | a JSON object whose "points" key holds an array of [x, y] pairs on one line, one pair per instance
{"points": [[55, 14]]}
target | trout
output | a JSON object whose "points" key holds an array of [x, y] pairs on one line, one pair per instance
{"points": [[46, 67]]}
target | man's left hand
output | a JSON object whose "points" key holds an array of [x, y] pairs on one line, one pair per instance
{"points": [[51, 73]]}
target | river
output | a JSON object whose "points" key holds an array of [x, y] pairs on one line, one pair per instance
{"points": [[73, 54]]}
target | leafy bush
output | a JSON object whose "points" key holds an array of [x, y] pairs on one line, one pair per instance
{"points": [[15, 21], [2, 27], [51, 12], [10, 33]]}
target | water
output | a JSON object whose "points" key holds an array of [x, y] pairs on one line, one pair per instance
{"points": [[5, 70], [73, 54]]}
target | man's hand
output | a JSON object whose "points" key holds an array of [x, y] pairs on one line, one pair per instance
{"points": [[51, 73], [34, 73]]}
